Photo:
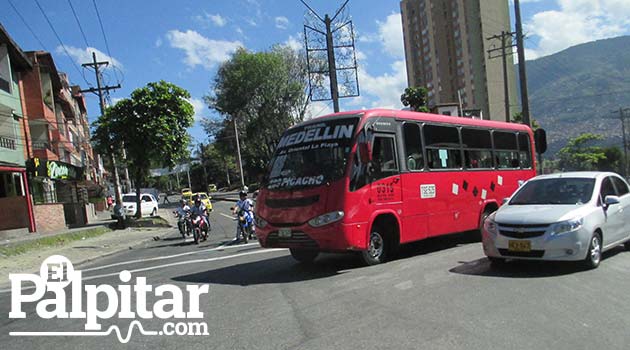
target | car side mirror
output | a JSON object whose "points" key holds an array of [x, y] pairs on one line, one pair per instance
{"points": [[365, 152], [610, 200], [505, 200]]}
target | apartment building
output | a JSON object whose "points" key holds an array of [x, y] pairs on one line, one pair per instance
{"points": [[446, 51]]}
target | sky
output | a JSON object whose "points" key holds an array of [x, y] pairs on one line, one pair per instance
{"points": [[185, 41]]}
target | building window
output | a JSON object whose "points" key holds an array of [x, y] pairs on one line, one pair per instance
{"points": [[5, 69]]}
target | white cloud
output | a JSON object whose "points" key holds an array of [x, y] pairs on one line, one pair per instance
{"points": [[294, 43], [318, 109], [201, 50], [385, 88], [85, 55], [577, 22], [209, 18], [282, 22], [391, 35], [158, 42], [201, 110]]}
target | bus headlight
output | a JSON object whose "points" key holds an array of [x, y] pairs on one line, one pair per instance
{"points": [[326, 219], [260, 222]]}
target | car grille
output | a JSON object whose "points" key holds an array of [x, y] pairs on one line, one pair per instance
{"points": [[522, 230], [530, 254], [291, 202], [297, 239]]}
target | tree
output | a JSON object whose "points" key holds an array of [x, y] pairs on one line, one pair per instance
{"points": [[518, 118], [415, 98], [264, 93], [152, 126], [581, 154]]}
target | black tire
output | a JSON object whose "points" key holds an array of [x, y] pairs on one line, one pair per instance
{"points": [[594, 255], [182, 229], [196, 233], [154, 212], [244, 234], [627, 245], [378, 247], [304, 256]]}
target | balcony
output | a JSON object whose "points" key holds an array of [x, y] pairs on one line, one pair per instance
{"points": [[8, 143]]}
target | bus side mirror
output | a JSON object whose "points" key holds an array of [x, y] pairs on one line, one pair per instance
{"points": [[540, 139], [365, 152]]}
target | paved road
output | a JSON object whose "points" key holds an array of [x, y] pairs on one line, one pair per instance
{"points": [[440, 294]]}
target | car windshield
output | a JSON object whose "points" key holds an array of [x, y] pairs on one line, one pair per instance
{"points": [[311, 154], [573, 191], [129, 198]]}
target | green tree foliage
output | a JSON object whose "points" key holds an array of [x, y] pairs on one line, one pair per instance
{"points": [[152, 124], [415, 98], [580, 153], [518, 118], [265, 92]]}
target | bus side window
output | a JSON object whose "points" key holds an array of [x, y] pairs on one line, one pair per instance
{"points": [[505, 150], [477, 146], [443, 147], [525, 155], [413, 147], [384, 162]]}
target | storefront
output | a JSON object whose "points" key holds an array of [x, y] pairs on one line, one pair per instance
{"points": [[58, 199], [16, 210]]}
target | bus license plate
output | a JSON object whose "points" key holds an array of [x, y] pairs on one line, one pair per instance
{"points": [[284, 233], [519, 246]]}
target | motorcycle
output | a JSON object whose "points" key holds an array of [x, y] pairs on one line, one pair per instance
{"points": [[245, 225], [184, 224], [200, 228]]}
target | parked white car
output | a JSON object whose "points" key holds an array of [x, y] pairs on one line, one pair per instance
{"points": [[149, 205], [569, 216]]}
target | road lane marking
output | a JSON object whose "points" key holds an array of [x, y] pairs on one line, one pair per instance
{"points": [[228, 216], [168, 265], [221, 247]]}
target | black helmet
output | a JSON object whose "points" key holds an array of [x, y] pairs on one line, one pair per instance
{"points": [[242, 193]]}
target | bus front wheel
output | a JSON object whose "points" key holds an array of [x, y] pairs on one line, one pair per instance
{"points": [[377, 248]]}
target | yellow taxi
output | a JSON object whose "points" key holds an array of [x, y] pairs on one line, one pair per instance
{"points": [[205, 199]]}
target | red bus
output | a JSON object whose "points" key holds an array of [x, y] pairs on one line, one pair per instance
{"points": [[370, 180]]}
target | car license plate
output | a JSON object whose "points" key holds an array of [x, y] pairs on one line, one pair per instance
{"points": [[284, 233], [519, 246]]}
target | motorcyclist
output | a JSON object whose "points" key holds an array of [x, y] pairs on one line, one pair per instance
{"points": [[199, 209], [247, 205], [181, 213]]}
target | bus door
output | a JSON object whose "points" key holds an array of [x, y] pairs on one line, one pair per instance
{"points": [[385, 187]]}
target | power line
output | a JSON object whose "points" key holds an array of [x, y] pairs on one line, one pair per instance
{"points": [[60, 42], [27, 26], [79, 23], [98, 15]]}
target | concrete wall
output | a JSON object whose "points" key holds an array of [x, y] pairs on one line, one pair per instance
{"points": [[49, 217], [13, 213]]}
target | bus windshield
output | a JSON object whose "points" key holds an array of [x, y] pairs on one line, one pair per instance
{"points": [[312, 154]]}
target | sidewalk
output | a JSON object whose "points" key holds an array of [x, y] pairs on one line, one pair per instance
{"points": [[79, 251]]}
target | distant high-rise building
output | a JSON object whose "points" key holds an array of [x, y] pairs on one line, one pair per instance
{"points": [[446, 44]]}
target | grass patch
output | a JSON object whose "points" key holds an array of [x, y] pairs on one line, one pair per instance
{"points": [[148, 222], [50, 241]]}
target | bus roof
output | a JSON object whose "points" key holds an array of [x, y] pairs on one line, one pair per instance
{"points": [[426, 117]]}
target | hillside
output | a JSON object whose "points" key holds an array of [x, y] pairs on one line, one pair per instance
{"points": [[575, 90]]}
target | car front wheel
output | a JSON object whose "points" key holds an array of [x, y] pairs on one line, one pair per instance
{"points": [[594, 255]]}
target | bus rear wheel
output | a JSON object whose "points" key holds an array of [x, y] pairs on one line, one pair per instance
{"points": [[377, 248], [304, 256]]}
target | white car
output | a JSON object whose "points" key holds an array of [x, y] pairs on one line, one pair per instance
{"points": [[148, 204], [570, 216]]}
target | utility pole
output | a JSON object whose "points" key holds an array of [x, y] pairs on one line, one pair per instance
{"points": [[521, 63], [504, 53], [347, 63], [622, 117], [99, 91], [238, 153]]}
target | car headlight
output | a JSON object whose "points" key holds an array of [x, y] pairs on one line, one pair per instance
{"points": [[326, 219], [490, 225], [566, 226], [260, 222]]}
